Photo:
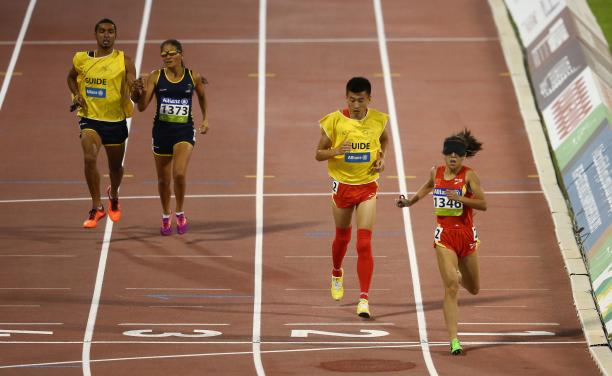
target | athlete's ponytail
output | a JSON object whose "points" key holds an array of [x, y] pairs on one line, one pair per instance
{"points": [[472, 145]]}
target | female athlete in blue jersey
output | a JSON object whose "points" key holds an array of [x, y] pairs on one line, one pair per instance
{"points": [[173, 129]]}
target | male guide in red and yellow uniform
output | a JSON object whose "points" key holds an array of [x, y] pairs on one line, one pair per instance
{"points": [[353, 142]]}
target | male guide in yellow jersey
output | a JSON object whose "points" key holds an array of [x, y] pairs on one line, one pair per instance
{"points": [[353, 142], [100, 82]]}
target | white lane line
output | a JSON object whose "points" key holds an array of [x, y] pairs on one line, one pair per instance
{"points": [[31, 323], [168, 324], [508, 306], [176, 306], [525, 333], [378, 345], [176, 288], [19, 305], [180, 256], [95, 300], [434, 343], [399, 161], [339, 324], [35, 288], [271, 40], [237, 195], [259, 190], [16, 51], [37, 255], [511, 323]]}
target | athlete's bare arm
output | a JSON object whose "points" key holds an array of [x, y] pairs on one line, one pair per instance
{"points": [[130, 74], [379, 163], [199, 88], [477, 201], [324, 150], [77, 99], [422, 192], [149, 90]]}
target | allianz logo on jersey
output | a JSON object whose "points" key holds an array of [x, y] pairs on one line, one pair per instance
{"points": [[442, 191], [174, 101], [95, 92], [357, 157]]}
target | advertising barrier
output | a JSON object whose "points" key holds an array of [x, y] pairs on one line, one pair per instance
{"points": [[571, 76]]}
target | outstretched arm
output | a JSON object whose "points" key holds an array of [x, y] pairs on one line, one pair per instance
{"points": [[149, 89], [422, 192]]}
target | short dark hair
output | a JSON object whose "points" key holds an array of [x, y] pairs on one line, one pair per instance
{"points": [[105, 20], [173, 42], [358, 84]]}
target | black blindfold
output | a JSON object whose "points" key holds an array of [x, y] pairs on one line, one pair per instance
{"points": [[454, 146]]}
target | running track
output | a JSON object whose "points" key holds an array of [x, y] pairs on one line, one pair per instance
{"points": [[244, 290]]}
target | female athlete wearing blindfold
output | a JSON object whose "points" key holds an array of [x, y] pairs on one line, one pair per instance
{"points": [[456, 192]]}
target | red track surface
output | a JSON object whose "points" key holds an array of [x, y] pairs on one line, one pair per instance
{"points": [[439, 87]]}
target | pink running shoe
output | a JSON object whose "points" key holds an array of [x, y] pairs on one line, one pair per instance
{"points": [[181, 224], [166, 226]]}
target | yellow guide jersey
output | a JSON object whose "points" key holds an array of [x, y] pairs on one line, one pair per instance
{"points": [[102, 84], [364, 135]]}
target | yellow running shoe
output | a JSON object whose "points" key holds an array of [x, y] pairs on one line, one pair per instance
{"points": [[363, 308], [337, 286], [94, 216]]}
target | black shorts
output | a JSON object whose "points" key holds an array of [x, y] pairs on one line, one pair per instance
{"points": [[111, 132], [166, 136]]}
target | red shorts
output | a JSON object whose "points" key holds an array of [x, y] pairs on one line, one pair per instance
{"points": [[462, 240], [347, 195]]}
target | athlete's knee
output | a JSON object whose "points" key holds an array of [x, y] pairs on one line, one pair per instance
{"points": [[474, 290], [90, 159], [163, 183], [451, 286], [364, 243], [343, 236], [179, 177]]}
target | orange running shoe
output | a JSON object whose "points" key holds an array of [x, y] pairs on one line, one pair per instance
{"points": [[114, 209], [94, 216]]}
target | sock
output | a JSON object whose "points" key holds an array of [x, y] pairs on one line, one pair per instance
{"points": [[178, 214], [339, 246], [100, 208], [365, 262], [166, 216]]}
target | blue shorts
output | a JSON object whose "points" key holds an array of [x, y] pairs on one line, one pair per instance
{"points": [[110, 132], [166, 136]]}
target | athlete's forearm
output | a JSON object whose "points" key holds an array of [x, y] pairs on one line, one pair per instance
{"points": [[203, 105], [325, 154], [72, 85], [474, 203]]}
